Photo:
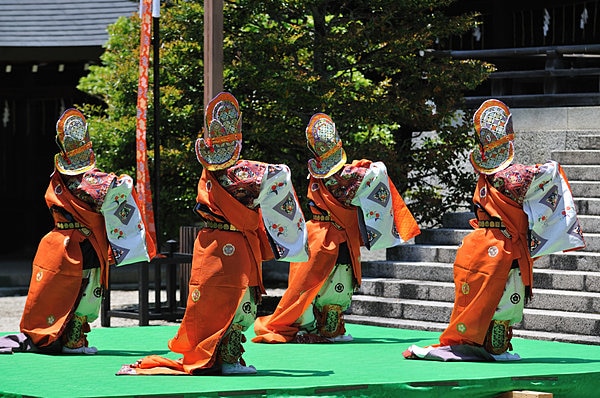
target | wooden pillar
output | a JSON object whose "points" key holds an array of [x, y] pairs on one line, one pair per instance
{"points": [[213, 49]]}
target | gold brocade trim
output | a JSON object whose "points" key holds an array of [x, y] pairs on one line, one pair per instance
{"points": [[218, 225], [490, 224], [69, 225], [327, 218], [320, 217], [74, 225]]}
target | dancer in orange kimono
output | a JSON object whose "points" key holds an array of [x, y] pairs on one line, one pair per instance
{"points": [[250, 214], [70, 268], [352, 205], [523, 212]]}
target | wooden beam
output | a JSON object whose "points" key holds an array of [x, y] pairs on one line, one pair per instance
{"points": [[213, 49]]}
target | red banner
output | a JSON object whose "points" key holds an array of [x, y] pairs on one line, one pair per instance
{"points": [[143, 175]]}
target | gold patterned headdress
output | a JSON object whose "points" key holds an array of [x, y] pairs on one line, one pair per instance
{"points": [[76, 155], [222, 142], [323, 141], [493, 126]]}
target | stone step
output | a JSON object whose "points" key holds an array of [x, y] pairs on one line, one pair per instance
{"points": [[587, 281], [589, 224], [579, 281], [554, 336], [453, 237], [442, 236], [460, 221], [395, 322], [407, 289], [422, 253], [418, 310], [587, 206], [578, 157], [427, 271], [588, 141], [585, 189], [457, 220], [571, 261], [561, 300], [551, 321], [561, 322], [441, 326], [582, 173], [579, 260]]}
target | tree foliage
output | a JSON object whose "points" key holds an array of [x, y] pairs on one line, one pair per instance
{"points": [[374, 66]]}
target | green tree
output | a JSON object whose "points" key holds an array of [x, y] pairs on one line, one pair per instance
{"points": [[374, 66], [113, 127]]}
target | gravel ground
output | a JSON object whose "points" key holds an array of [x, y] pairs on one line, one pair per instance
{"points": [[12, 308]]}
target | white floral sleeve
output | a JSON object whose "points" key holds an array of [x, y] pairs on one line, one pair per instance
{"points": [[551, 212], [374, 198], [124, 226], [282, 214]]}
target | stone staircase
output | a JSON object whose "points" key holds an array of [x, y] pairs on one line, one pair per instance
{"points": [[413, 287]]}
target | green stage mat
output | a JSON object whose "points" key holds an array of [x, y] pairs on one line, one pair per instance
{"points": [[370, 366]]}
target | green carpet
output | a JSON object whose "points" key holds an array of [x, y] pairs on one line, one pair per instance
{"points": [[372, 365]]}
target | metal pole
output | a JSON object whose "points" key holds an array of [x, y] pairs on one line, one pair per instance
{"points": [[156, 51], [213, 49]]}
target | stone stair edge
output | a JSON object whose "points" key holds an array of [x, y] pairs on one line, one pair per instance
{"points": [[369, 279], [439, 327], [575, 301], [428, 264], [445, 304], [533, 319], [455, 247], [559, 151], [539, 290], [395, 262], [401, 262]]}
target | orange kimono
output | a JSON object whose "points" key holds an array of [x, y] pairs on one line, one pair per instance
{"points": [[325, 237], [227, 260], [482, 265], [56, 280], [218, 279], [306, 278], [523, 212]]}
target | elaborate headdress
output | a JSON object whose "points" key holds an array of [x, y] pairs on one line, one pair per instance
{"points": [[76, 155], [323, 141], [493, 126], [222, 142]]}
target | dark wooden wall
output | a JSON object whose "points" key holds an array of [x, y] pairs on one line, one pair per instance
{"points": [[30, 104]]}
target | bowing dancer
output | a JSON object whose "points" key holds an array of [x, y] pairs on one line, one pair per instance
{"points": [[352, 205], [250, 214], [97, 222], [523, 212]]}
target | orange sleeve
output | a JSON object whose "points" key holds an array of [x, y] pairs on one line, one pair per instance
{"points": [[405, 222]]}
